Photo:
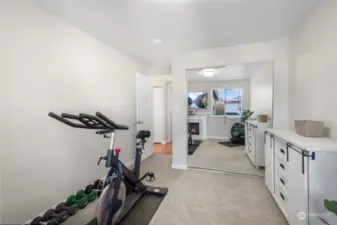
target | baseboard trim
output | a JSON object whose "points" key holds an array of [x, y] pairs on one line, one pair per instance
{"points": [[223, 171], [218, 138], [162, 142], [131, 163], [179, 167]]}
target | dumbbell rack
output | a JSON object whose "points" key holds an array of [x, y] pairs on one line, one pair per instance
{"points": [[63, 210]]}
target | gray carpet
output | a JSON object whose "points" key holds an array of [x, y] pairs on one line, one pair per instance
{"points": [[202, 198], [212, 155]]}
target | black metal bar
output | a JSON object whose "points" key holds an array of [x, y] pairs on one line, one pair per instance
{"points": [[288, 144], [78, 118], [101, 132], [303, 155], [110, 122], [69, 116], [138, 160], [265, 137], [68, 122], [93, 121]]}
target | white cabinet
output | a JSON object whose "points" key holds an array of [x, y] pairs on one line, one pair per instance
{"points": [[297, 186], [246, 139], [255, 141], [269, 162], [300, 174]]}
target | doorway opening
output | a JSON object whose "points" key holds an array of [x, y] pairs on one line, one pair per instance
{"points": [[162, 125], [224, 106]]}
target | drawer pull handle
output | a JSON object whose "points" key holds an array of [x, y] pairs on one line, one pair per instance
{"points": [[282, 196], [282, 181], [282, 166], [282, 151]]}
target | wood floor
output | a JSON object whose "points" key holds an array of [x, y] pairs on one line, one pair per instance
{"points": [[162, 149]]}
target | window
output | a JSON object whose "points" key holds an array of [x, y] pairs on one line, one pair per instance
{"points": [[227, 102]]}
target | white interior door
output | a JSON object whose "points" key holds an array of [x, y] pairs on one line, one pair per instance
{"points": [[169, 113], [144, 109], [159, 115]]}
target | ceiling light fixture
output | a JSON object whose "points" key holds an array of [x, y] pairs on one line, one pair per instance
{"points": [[208, 72], [157, 41]]}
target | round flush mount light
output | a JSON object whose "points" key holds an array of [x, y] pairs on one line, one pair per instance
{"points": [[157, 41], [208, 72]]}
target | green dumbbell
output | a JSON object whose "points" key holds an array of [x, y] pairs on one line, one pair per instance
{"points": [[81, 202], [331, 206], [91, 196]]}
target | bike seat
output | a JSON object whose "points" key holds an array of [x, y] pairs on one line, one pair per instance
{"points": [[143, 134]]}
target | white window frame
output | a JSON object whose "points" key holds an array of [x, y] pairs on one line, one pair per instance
{"points": [[228, 116]]}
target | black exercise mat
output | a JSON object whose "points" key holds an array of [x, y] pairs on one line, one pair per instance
{"points": [[196, 143], [142, 212], [192, 148], [230, 144]]}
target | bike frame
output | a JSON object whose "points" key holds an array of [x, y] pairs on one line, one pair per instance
{"points": [[114, 176]]}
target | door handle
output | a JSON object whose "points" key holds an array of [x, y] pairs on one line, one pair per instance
{"points": [[140, 122]]}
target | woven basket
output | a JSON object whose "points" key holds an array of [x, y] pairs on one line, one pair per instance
{"points": [[309, 128]]}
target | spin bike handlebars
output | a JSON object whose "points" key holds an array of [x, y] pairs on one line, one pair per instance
{"points": [[86, 121], [113, 124]]}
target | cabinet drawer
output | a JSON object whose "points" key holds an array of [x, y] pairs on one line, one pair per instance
{"points": [[281, 150], [281, 165], [281, 179], [281, 197]]}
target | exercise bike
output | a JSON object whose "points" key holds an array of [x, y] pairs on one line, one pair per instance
{"points": [[123, 187]]}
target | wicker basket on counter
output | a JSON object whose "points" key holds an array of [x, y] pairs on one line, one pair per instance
{"points": [[309, 128]]}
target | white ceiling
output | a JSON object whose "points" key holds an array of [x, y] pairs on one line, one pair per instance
{"points": [[130, 26], [226, 73]]}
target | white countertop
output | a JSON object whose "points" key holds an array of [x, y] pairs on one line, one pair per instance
{"points": [[306, 143], [257, 123]]}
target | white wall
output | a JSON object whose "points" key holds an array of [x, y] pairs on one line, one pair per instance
{"points": [[313, 69], [161, 80], [51, 66], [2, 110], [276, 51], [261, 89], [217, 126], [159, 115]]}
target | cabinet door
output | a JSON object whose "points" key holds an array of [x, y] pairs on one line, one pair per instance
{"points": [[246, 138], [269, 162], [252, 133], [297, 204]]}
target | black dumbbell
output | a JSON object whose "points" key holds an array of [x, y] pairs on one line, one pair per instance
{"points": [[51, 214], [71, 210], [40, 221], [98, 186], [89, 189]]}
